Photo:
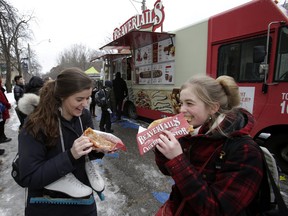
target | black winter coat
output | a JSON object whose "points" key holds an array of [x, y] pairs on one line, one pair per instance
{"points": [[18, 92], [40, 166], [120, 88]]}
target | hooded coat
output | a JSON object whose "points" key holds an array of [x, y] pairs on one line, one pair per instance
{"points": [[225, 191], [28, 103], [30, 100]]}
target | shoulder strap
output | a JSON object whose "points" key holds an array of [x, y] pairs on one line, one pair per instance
{"points": [[227, 147], [278, 197]]}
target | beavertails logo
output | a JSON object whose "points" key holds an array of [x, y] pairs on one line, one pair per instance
{"points": [[149, 138], [149, 19]]}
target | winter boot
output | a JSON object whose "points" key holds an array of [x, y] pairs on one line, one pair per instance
{"points": [[71, 186]]}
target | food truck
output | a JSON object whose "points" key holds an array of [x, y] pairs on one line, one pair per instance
{"points": [[248, 42]]}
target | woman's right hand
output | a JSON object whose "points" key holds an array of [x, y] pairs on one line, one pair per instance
{"points": [[168, 145], [81, 146]]}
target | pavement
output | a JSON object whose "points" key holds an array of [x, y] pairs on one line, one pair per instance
{"points": [[11, 195]]}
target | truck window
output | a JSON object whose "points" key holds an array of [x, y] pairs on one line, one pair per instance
{"points": [[236, 60], [281, 73]]}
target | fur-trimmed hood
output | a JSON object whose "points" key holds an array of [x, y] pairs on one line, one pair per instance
{"points": [[28, 103]]}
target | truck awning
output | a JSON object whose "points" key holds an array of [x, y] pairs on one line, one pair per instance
{"points": [[136, 39], [112, 56]]}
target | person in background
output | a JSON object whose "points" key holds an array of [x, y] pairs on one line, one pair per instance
{"points": [[107, 93], [18, 93], [18, 88], [34, 85], [212, 107], [4, 115], [30, 99], [120, 92], [53, 151], [92, 106]]}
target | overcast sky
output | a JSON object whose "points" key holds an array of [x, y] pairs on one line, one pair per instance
{"points": [[91, 22]]}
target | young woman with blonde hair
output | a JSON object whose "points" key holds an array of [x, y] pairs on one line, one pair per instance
{"points": [[215, 188]]}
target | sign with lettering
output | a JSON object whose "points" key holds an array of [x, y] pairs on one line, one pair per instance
{"points": [[148, 20], [247, 97], [149, 138]]}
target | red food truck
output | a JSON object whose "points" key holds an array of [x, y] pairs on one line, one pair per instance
{"points": [[249, 43]]}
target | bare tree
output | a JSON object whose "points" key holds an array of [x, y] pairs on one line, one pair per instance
{"points": [[10, 27], [76, 56], [19, 45]]}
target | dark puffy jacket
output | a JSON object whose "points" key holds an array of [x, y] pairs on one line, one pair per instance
{"points": [[18, 91]]}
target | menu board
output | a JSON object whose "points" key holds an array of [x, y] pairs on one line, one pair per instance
{"points": [[166, 50], [155, 63]]}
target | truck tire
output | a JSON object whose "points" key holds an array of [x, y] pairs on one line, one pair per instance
{"points": [[131, 111], [278, 145]]}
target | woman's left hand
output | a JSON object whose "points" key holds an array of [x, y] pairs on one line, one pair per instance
{"points": [[81, 146], [168, 145]]}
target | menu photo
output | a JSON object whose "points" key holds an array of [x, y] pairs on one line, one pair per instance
{"points": [[163, 73]]}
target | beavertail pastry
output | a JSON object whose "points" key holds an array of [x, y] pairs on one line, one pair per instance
{"points": [[160, 121], [99, 141], [178, 125]]}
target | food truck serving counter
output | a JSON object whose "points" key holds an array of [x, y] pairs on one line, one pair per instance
{"points": [[150, 79]]}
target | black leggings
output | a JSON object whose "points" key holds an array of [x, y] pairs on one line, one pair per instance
{"points": [[105, 121], [2, 133]]}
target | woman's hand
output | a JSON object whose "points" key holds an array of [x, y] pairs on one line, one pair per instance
{"points": [[81, 146], [168, 145]]}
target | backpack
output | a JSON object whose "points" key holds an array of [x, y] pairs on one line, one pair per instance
{"points": [[101, 98], [269, 200]]}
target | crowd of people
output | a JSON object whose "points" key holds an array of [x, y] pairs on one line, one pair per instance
{"points": [[53, 153]]}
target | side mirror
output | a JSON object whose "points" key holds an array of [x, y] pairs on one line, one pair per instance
{"points": [[263, 69]]}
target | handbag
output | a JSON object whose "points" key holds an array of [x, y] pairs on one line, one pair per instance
{"points": [[169, 208]]}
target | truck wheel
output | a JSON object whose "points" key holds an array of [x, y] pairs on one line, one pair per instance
{"points": [[131, 111], [278, 145]]}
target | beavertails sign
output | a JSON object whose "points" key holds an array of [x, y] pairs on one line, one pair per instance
{"points": [[149, 19], [149, 138]]}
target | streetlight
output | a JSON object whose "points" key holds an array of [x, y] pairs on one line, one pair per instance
{"points": [[143, 7]]}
